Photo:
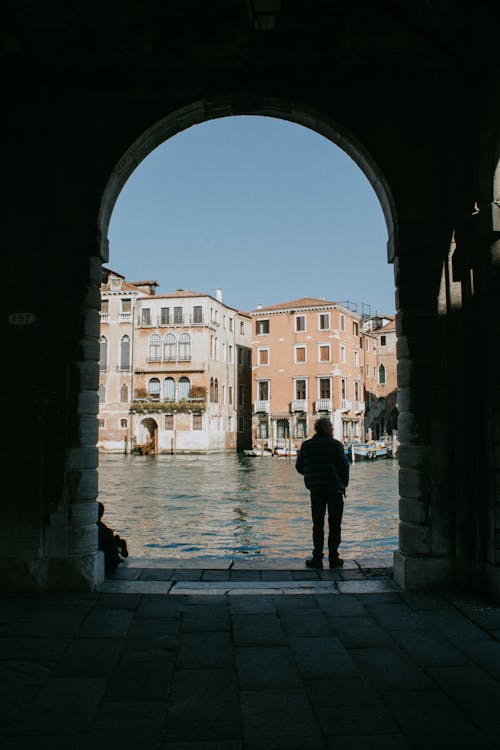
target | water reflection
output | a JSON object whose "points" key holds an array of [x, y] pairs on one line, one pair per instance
{"points": [[227, 505]]}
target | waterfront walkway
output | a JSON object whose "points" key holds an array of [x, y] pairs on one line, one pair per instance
{"points": [[233, 657]]}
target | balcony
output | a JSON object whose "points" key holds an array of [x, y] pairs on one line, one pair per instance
{"points": [[346, 405], [104, 317], [261, 406], [125, 317], [323, 404], [299, 404], [359, 407]]}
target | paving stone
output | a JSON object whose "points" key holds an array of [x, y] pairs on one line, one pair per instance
{"points": [[157, 574], [15, 700], [396, 616], [322, 657], [24, 673], [431, 721], [342, 606], [106, 624], [281, 563], [257, 630], [423, 601], [491, 728], [57, 621], [389, 669], [118, 601], [187, 575], [251, 604], [208, 745], [180, 589], [345, 706], [330, 575], [304, 601], [306, 575], [160, 633], [48, 742], [125, 574], [176, 563], [278, 575], [351, 575], [455, 626], [32, 649], [135, 587], [195, 599], [379, 742], [379, 597], [269, 714], [485, 654], [159, 606], [427, 648], [90, 657], [366, 587], [141, 680], [260, 667], [303, 622], [215, 575], [378, 561], [358, 632], [476, 693], [289, 743], [237, 574], [205, 650], [203, 706], [205, 618], [70, 704], [128, 725]]}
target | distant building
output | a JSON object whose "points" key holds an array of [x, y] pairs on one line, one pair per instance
{"points": [[174, 370], [382, 412], [310, 359]]}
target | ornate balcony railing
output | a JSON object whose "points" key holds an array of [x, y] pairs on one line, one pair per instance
{"points": [[359, 407], [298, 404], [261, 406], [346, 405], [323, 404]]}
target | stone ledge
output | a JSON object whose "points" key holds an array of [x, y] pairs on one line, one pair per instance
{"points": [[422, 573], [40, 574]]}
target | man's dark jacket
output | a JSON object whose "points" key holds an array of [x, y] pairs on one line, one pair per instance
{"points": [[323, 463]]}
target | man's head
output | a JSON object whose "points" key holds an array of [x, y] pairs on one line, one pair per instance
{"points": [[323, 426]]}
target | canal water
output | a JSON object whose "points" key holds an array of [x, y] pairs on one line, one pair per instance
{"points": [[232, 505]]}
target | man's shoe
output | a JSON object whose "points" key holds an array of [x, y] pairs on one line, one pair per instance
{"points": [[337, 563], [314, 563]]}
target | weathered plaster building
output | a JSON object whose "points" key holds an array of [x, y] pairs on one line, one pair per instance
{"points": [[408, 90], [381, 376], [174, 370], [309, 361]]}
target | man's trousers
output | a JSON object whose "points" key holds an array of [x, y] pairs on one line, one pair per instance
{"points": [[320, 501]]}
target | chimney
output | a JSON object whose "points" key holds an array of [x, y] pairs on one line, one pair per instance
{"points": [[259, 306], [218, 294]]}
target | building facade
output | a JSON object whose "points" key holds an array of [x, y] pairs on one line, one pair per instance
{"points": [[381, 393], [174, 371], [311, 358]]}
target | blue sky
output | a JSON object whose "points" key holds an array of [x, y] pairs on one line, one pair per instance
{"points": [[267, 210]]}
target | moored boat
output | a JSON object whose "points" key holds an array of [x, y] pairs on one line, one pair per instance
{"points": [[365, 451]]}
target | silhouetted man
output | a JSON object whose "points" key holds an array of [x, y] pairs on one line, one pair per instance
{"points": [[325, 468], [113, 546]]}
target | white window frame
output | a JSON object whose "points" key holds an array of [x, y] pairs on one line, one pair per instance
{"points": [[356, 357], [318, 386], [295, 348], [383, 340], [329, 326], [259, 381], [295, 381], [342, 354], [300, 317], [342, 322], [262, 333], [357, 387]]}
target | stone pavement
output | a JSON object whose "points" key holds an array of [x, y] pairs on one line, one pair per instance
{"points": [[227, 657]]}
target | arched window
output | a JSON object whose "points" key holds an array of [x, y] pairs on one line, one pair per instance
{"points": [[154, 348], [216, 391], [169, 389], [381, 375], [124, 393], [212, 390], [125, 353], [103, 353], [184, 388], [169, 347], [102, 394], [154, 387], [184, 346]]}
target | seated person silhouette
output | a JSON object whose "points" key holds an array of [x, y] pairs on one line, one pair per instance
{"points": [[113, 546]]}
